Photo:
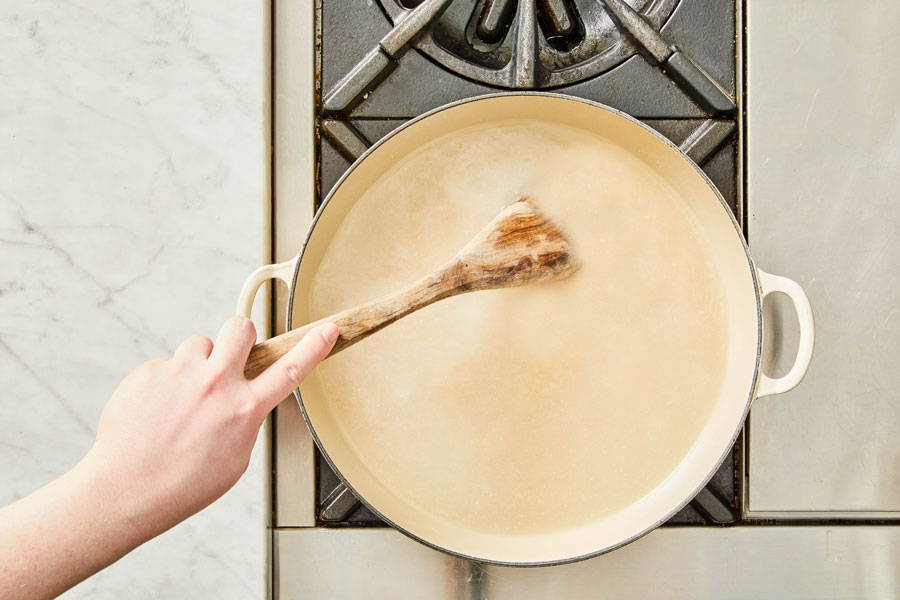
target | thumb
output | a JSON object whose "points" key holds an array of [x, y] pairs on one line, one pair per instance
{"points": [[272, 385]]}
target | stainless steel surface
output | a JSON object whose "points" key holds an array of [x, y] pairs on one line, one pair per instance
{"points": [[293, 195], [800, 50], [735, 563], [823, 160]]}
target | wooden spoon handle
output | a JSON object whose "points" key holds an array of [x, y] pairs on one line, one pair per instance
{"points": [[519, 246], [354, 324], [265, 353]]}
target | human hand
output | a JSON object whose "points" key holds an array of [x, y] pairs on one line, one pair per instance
{"points": [[177, 433]]}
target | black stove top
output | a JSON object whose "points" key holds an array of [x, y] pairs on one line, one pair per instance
{"points": [[669, 63]]}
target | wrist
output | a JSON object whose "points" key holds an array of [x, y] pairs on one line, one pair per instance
{"points": [[125, 507]]}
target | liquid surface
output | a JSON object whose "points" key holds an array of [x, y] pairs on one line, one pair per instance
{"points": [[534, 408]]}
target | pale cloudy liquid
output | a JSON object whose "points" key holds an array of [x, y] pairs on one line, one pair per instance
{"points": [[533, 408]]}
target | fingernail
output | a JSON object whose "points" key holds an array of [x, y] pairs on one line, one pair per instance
{"points": [[329, 333]]}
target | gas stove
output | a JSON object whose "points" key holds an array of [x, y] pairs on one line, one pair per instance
{"points": [[382, 63], [670, 63], [346, 73]]}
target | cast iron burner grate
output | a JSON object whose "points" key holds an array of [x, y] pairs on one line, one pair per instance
{"points": [[529, 43], [671, 63]]}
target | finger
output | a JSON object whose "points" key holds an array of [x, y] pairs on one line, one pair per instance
{"points": [[233, 343], [195, 347], [276, 382]]}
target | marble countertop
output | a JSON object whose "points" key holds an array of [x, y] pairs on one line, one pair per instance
{"points": [[131, 187]]}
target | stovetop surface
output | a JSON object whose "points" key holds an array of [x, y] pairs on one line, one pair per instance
{"points": [[670, 63]]}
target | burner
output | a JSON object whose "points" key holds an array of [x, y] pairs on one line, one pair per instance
{"points": [[528, 44]]}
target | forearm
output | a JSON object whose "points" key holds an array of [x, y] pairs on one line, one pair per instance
{"points": [[175, 436], [66, 531]]}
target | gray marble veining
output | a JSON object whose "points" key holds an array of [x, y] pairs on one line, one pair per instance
{"points": [[132, 171]]}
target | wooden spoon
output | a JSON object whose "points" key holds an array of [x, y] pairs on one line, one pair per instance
{"points": [[519, 246]]}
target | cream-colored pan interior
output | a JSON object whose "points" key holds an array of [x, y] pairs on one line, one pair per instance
{"points": [[372, 451]]}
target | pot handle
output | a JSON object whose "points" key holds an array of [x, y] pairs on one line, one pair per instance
{"points": [[770, 284], [280, 271]]}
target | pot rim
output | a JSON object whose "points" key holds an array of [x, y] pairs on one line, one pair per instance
{"points": [[759, 320]]}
